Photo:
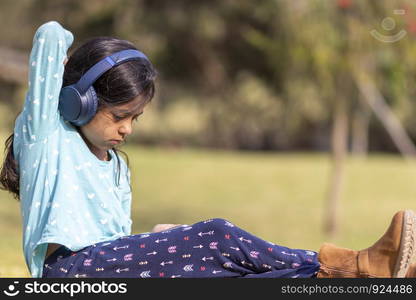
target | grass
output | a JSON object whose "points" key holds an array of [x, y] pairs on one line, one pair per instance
{"points": [[279, 197]]}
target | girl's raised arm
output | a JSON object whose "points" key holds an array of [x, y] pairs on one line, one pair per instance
{"points": [[46, 68]]}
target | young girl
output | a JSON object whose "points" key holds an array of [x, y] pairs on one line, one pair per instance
{"points": [[63, 165]]}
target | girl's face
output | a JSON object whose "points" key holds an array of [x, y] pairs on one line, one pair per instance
{"points": [[110, 127]]}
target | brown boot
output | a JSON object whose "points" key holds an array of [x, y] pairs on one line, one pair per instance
{"points": [[411, 273], [390, 256]]}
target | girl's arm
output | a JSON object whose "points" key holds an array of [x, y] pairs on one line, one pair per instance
{"points": [[46, 68]]}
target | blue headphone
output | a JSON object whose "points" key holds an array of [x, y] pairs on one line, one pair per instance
{"points": [[78, 102]]}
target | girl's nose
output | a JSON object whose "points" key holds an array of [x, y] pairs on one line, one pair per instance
{"points": [[125, 129]]}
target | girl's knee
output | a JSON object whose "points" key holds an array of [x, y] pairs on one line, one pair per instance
{"points": [[219, 221], [216, 225], [219, 224]]}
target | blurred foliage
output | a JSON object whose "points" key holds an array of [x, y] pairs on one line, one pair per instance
{"points": [[242, 74]]}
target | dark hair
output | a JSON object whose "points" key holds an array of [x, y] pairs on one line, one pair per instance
{"points": [[9, 176], [117, 86]]}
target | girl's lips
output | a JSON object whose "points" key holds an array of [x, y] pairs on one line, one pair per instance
{"points": [[115, 141]]}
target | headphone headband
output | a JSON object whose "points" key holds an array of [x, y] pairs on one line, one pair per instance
{"points": [[78, 102], [104, 65]]}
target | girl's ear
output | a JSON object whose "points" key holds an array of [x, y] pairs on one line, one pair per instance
{"points": [[65, 61]]}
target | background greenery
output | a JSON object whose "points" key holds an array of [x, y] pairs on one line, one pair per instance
{"points": [[242, 74], [240, 127]]}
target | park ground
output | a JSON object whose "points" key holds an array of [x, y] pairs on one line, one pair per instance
{"points": [[280, 197]]}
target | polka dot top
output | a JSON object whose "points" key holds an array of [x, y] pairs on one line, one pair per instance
{"points": [[68, 196]]}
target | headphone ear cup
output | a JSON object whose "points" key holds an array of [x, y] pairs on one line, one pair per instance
{"points": [[91, 104], [70, 103]]}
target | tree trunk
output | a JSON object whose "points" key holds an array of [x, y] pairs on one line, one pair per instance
{"points": [[338, 153], [360, 127], [377, 103]]}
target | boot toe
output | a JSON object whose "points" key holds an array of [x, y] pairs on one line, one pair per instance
{"points": [[407, 249]]}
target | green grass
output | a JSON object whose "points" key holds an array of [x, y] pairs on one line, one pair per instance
{"points": [[279, 197]]}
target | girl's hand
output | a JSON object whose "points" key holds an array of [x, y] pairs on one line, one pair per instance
{"points": [[163, 227]]}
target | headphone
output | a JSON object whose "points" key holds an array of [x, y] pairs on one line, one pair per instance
{"points": [[78, 102]]}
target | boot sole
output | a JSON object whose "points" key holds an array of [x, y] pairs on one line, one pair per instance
{"points": [[407, 252]]}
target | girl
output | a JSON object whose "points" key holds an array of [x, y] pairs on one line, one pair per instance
{"points": [[63, 164]]}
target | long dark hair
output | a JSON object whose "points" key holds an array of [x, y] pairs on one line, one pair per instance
{"points": [[117, 86]]}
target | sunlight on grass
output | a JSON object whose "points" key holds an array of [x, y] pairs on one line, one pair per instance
{"points": [[279, 197]]}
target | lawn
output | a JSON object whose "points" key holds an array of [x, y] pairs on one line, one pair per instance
{"points": [[279, 197]]}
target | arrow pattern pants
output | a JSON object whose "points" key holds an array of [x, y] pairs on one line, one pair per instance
{"points": [[211, 248]]}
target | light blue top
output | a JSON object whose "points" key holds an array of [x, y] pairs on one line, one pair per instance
{"points": [[68, 196]]}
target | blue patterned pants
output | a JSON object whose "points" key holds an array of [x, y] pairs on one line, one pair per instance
{"points": [[212, 248]]}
